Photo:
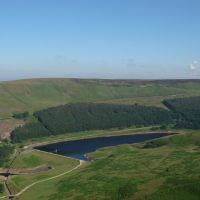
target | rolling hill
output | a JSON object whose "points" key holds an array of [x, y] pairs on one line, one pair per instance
{"points": [[35, 94]]}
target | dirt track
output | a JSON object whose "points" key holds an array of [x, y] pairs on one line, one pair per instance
{"points": [[48, 179], [33, 170]]}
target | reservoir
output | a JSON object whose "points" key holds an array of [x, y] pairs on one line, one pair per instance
{"points": [[78, 148]]}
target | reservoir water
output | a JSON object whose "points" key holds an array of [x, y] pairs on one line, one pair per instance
{"points": [[78, 148]]}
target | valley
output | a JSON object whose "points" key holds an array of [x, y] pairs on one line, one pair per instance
{"points": [[157, 169]]}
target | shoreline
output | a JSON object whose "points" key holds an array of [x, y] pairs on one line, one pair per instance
{"points": [[161, 134], [91, 137]]}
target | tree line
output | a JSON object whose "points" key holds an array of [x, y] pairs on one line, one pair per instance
{"points": [[187, 111], [90, 116]]}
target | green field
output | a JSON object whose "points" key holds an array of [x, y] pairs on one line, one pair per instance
{"points": [[171, 170]]}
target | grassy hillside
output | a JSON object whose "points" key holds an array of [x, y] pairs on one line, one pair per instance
{"points": [[36, 94], [169, 169]]}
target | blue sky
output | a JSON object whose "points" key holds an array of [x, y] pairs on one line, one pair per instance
{"points": [[99, 38]]}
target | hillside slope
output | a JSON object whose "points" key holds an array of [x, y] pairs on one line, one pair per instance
{"points": [[162, 169], [36, 94]]}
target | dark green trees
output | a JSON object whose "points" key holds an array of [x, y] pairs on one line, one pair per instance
{"points": [[21, 115], [187, 111], [90, 116]]}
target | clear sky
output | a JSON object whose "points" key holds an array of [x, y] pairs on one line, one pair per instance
{"points": [[99, 38]]}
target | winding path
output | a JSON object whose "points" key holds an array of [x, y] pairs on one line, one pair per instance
{"points": [[81, 162]]}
